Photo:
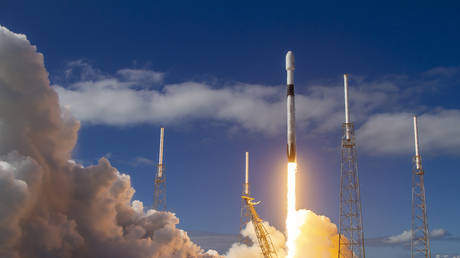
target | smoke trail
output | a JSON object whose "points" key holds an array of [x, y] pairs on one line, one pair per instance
{"points": [[53, 207], [239, 250]]}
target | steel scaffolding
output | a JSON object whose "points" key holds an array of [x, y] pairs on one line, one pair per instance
{"points": [[420, 241], [351, 236]]}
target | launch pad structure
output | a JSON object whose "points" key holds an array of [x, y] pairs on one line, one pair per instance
{"points": [[420, 241], [159, 195], [248, 213], [351, 236], [263, 237]]}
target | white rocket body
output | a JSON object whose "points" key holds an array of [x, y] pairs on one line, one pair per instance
{"points": [[291, 146]]}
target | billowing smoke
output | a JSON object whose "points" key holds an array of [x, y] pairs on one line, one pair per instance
{"points": [[239, 250], [49, 205], [318, 237]]}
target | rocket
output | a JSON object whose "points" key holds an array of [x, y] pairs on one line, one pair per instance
{"points": [[291, 149]]}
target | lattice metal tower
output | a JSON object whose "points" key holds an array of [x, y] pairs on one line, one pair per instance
{"points": [[420, 242], [351, 236], [264, 239], [159, 197], [245, 215]]}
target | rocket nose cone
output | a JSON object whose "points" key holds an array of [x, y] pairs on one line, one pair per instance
{"points": [[289, 61]]}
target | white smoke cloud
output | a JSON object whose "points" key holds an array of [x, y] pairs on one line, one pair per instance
{"points": [[50, 206], [318, 237], [240, 250]]}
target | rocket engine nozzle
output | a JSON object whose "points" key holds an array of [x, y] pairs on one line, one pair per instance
{"points": [[291, 153]]}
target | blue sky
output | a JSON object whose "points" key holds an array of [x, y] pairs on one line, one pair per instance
{"points": [[402, 59]]}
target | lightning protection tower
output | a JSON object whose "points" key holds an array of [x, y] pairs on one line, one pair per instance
{"points": [[245, 215], [420, 242], [159, 198], [351, 236]]}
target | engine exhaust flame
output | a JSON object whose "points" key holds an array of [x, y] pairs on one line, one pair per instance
{"points": [[292, 227]]}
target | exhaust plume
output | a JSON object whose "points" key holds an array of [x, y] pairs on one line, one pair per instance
{"points": [[49, 205], [239, 250], [317, 237]]}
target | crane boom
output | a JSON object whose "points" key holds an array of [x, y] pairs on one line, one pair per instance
{"points": [[265, 242]]}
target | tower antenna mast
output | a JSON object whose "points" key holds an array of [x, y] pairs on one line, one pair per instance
{"points": [[245, 215], [351, 236], [159, 197], [248, 213], [420, 241]]}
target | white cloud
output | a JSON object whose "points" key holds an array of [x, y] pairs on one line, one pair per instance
{"points": [[393, 133], [141, 75], [439, 232], [443, 71], [109, 104], [80, 73], [381, 109], [81, 70], [115, 101], [405, 236]]}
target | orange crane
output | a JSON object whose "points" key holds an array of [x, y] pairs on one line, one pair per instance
{"points": [[265, 242]]}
